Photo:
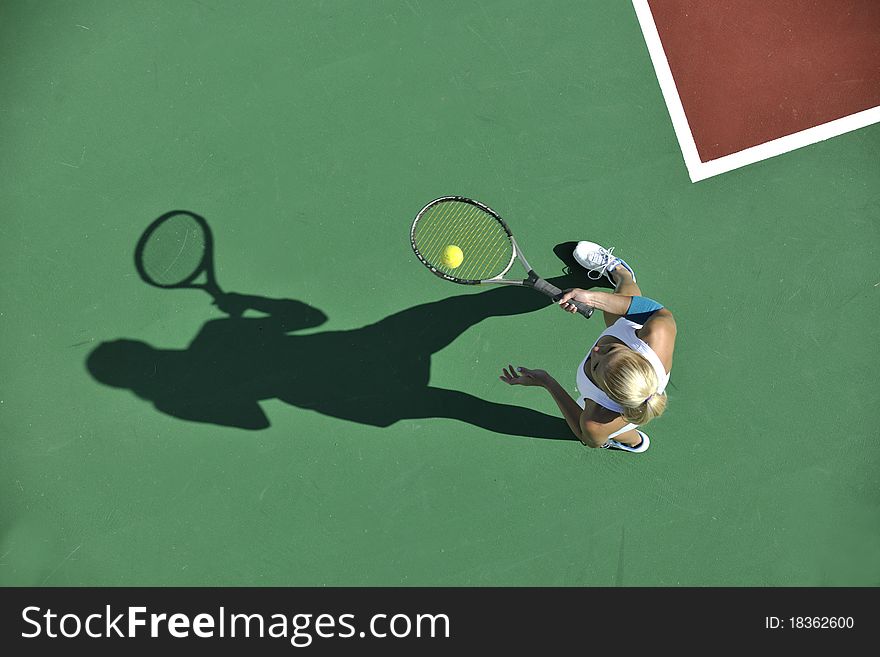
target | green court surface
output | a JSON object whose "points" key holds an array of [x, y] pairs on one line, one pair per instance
{"points": [[308, 134]]}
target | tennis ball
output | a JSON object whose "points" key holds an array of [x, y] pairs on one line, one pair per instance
{"points": [[452, 256]]}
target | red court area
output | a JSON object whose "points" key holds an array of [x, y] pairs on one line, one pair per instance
{"points": [[750, 71]]}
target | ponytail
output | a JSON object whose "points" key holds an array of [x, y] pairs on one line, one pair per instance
{"points": [[652, 407], [632, 382]]}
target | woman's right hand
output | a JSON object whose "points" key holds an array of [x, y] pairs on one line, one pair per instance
{"points": [[232, 303], [575, 294]]}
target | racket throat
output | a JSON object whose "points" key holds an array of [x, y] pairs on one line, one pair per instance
{"points": [[535, 281], [538, 283]]}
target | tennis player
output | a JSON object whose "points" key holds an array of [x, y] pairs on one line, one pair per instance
{"points": [[622, 379]]}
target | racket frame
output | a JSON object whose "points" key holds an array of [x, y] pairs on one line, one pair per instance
{"points": [[206, 266], [532, 279]]}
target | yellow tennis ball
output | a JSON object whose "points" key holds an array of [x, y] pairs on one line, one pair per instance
{"points": [[452, 256]]}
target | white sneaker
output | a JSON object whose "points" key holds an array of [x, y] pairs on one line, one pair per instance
{"points": [[641, 447], [598, 261]]}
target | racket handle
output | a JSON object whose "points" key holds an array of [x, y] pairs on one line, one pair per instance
{"points": [[554, 293]]}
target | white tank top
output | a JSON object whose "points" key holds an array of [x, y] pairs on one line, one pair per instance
{"points": [[625, 331]]}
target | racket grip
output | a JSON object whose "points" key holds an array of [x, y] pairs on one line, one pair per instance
{"points": [[583, 309], [554, 293]]}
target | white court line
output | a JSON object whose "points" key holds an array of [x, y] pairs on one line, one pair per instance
{"points": [[699, 170]]}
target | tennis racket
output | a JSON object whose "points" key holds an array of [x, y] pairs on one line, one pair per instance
{"points": [[175, 250], [466, 242]]}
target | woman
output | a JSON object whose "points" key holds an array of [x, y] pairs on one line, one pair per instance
{"points": [[622, 380]]}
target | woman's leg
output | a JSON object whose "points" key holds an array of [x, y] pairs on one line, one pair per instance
{"points": [[620, 430], [628, 435]]}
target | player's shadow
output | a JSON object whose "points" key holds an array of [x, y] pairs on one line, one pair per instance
{"points": [[375, 375]]}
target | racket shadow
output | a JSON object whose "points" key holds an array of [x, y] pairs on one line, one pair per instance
{"points": [[375, 375]]}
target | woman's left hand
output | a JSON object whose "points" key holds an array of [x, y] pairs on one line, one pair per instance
{"points": [[522, 376]]}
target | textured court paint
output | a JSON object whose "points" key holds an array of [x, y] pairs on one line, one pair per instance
{"points": [[308, 135], [752, 71], [744, 130]]}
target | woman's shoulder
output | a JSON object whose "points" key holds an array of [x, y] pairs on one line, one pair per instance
{"points": [[659, 333], [595, 416]]}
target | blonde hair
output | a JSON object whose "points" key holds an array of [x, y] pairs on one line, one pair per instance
{"points": [[631, 381]]}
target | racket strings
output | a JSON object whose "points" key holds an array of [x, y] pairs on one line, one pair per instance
{"points": [[175, 251], [489, 245], [484, 242], [465, 234], [448, 215]]}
